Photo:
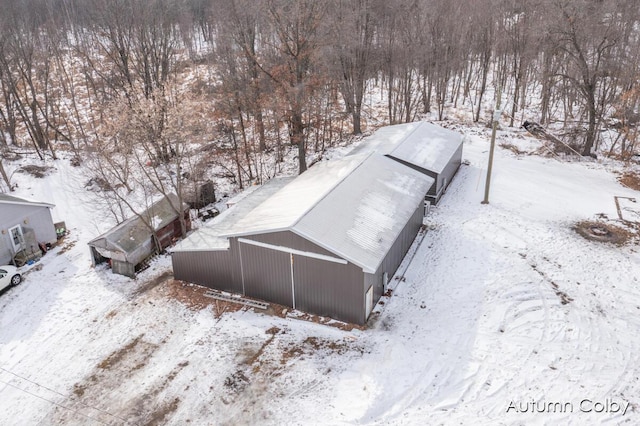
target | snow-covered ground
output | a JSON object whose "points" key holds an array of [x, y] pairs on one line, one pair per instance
{"points": [[501, 305]]}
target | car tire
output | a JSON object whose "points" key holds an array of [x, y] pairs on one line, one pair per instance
{"points": [[16, 279]]}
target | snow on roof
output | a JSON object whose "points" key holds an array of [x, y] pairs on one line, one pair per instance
{"points": [[133, 232], [241, 195], [208, 236], [423, 144], [354, 207], [362, 217], [9, 199], [284, 208]]}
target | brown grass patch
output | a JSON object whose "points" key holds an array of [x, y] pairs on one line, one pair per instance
{"points": [[604, 232], [312, 345], [630, 180], [193, 297], [35, 170], [79, 390], [153, 283], [159, 416], [66, 247], [118, 355], [323, 320], [511, 147]]}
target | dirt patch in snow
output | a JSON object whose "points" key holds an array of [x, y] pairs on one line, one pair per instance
{"points": [[100, 393], [35, 170], [511, 147], [630, 180], [127, 359], [312, 345], [153, 283], [66, 245], [603, 232], [287, 312], [193, 296]]}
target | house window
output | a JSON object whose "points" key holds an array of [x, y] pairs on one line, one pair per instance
{"points": [[17, 238]]}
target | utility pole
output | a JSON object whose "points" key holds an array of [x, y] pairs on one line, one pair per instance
{"points": [[494, 127]]}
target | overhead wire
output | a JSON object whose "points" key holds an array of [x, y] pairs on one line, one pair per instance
{"points": [[61, 394], [53, 402]]}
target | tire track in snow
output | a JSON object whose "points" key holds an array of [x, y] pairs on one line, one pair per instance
{"points": [[444, 366]]}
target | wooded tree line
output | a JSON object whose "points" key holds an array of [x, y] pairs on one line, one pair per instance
{"points": [[177, 83]]}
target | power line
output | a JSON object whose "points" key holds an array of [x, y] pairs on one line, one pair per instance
{"points": [[54, 403], [59, 393]]}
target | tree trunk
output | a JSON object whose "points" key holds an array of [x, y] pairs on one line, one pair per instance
{"points": [[297, 138], [483, 87], [357, 121], [592, 114], [5, 177]]}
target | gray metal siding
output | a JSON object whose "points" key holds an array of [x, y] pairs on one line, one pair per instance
{"points": [[452, 167], [400, 247], [395, 255], [266, 274], [321, 287], [291, 240], [213, 269], [329, 289], [375, 280], [434, 188]]}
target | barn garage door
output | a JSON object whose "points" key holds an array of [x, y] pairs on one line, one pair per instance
{"points": [[266, 274], [327, 288], [283, 275]]}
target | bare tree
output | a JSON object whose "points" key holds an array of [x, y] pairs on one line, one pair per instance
{"points": [[351, 55], [293, 62], [587, 33]]}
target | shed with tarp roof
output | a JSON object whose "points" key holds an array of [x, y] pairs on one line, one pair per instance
{"points": [[126, 246]]}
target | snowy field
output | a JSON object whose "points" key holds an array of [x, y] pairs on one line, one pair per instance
{"points": [[501, 305]]}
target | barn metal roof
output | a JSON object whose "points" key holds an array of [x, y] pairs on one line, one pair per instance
{"points": [[362, 217], [208, 236], [284, 208], [354, 207], [422, 144]]}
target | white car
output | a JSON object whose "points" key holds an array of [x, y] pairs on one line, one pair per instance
{"points": [[9, 276]]}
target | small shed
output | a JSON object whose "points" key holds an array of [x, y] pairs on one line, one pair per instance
{"points": [[129, 244], [24, 226], [428, 148], [200, 195], [326, 242]]}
